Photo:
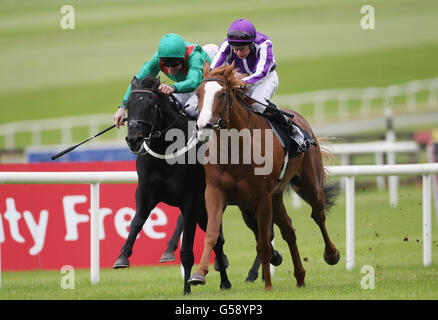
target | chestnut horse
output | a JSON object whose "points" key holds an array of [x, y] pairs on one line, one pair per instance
{"points": [[222, 105]]}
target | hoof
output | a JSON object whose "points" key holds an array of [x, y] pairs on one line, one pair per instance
{"points": [[167, 257], [252, 276], [187, 289], [226, 285], [277, 259], [216, 265], [332, 259], [196, 279], [121, 262], [301, 284]]}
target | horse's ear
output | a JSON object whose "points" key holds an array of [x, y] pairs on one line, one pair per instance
{"points": [[134, 83], [206, 68]]}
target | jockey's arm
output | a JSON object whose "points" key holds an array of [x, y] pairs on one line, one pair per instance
{"points": [[151, 67], [194, 75]]}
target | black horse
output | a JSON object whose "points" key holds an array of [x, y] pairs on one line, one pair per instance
{"points": [[150, 116]]}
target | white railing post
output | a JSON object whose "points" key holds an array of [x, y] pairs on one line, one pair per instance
{"points": [[427, 220], [94, 233], [380, 180], [390, 139], [349, 208], [318, 105]]}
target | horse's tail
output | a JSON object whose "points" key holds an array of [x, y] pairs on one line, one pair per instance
{"points": [[331, 190]]}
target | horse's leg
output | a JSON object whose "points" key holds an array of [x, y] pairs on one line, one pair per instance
{"points": [[214, 203], [264, 249], [331, 254], [311, 189], [144, 203], [220, 257], [253, 273], [251, 222], [284, 222], [186, 252]]}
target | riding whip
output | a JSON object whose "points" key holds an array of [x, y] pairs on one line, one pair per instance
{"points": [[77, 145]]}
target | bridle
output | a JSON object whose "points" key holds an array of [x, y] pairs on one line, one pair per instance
{"points": [[145, 145], [220, 123], [153, 122]]}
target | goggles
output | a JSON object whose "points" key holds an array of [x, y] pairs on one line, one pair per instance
{"points": [[172, 62], [239, 35]]}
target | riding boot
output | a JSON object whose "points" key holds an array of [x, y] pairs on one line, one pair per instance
{"points": [[301, 139]]}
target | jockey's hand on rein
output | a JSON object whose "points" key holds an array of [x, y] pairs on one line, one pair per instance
{"points": [[165, 89], [245, 85]]}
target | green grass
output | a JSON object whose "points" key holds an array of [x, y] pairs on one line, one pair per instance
{"points": [[380, 234], [47, 72], [50, 72]]}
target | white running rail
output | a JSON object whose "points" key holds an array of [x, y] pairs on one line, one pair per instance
{"points": [[96, 178], [365, 96], [319, 99], [350, 172]]}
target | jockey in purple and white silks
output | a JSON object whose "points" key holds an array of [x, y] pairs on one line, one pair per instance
{"points": [[252, 53]]}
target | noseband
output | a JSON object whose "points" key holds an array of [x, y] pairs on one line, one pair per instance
{"points": [[220, 122]]}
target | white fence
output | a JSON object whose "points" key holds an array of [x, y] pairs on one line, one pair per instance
{"points": [[64, 125], [350, 172], [378, 148], [365, 96], [92, 178], [96, 178], [319, 99]]}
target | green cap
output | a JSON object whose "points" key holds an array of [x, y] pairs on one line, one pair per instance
{"points": [[171, 46]]}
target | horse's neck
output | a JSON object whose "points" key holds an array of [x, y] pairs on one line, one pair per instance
{"points": [[239, 116], [171, 120], [171, 116]]}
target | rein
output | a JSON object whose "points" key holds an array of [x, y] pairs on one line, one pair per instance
{"points": [[158, 133]]}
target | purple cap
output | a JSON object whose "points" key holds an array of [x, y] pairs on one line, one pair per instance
{"points": [[241, 31]]}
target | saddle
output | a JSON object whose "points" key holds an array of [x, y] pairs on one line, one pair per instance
{"points": [[293, 138]]}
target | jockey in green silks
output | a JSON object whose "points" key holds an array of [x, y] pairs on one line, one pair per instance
{"points": [[182, 62]]}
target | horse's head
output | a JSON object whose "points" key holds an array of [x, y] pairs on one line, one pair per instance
{"points": [[215, 98], [143, 112]]}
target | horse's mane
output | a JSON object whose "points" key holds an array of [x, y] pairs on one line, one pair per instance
{"points": [[230, 74]]}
